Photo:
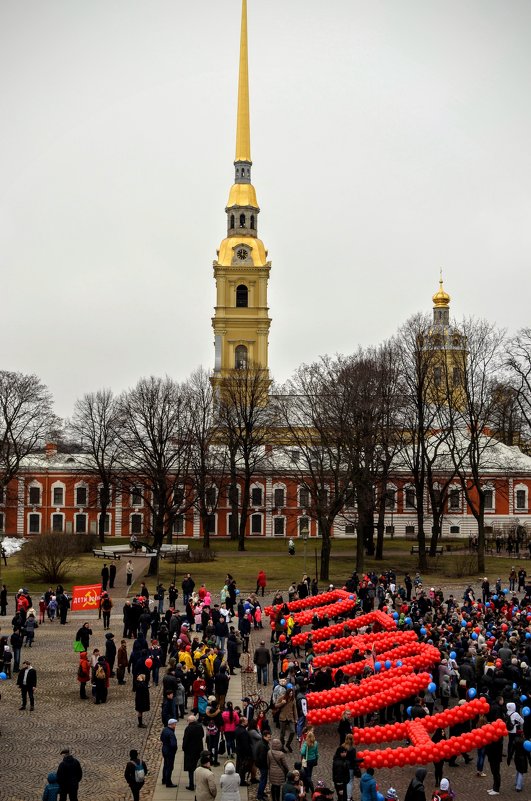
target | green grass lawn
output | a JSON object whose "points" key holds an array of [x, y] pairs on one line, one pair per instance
{"points": [[281, 569]]}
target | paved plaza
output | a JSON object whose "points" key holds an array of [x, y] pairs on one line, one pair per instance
{"points": [[101, 738]]}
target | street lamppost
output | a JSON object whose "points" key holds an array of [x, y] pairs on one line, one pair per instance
{"points": [[304, 534], [2, 535]]}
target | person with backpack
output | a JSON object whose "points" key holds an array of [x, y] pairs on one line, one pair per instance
{"points": [[135, 773], [83, 674], [100, 680], [444, 793], [106, 606]]}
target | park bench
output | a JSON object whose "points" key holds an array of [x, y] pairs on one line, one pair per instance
{"points": [[438, 551], [100, 553]]}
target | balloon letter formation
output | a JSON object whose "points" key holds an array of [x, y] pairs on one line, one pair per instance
{"points": [[399, 669]]}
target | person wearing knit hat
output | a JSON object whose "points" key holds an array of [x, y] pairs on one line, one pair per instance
{"points": [[443, 793], [391, 795]]}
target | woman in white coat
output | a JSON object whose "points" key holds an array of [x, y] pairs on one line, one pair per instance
{"points": [[230, 783]]}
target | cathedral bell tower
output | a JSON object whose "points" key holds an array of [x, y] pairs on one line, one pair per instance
{"points": [[241, 321]]}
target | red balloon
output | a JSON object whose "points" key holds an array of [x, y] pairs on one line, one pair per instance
{"points": [[149, 662]]}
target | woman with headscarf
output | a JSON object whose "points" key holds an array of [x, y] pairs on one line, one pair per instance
{"points": [[416, 791]]}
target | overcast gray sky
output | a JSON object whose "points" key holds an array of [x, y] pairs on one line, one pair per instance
{"points": [[390, 138]]}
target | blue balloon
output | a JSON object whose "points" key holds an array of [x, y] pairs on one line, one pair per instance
{"points": [[408, 710], [528, 635], [283, 622], [474, 635], [452, 654], [377, 666], [423, 631], [527, 745], [408, 621], [506, 592], [399, 663], [395, 615], [379, 796], [432, 687], [289, 686], [523, 699], [526, 712], [387, 664], [237, 592], [351, 597], [3, 676], [494, 597], [463, 623], [472, 693], [515, 685], [487, 605]]}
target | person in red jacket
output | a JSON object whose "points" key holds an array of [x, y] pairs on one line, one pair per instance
{"points": [[83, 674], [261, 582]]}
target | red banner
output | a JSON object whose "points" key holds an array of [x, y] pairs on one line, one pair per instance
{"points": [[87, 597]]}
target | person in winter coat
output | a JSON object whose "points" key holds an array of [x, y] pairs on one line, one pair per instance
{"points": [[230, 721], [310, 755], [69, 774], [277, 768], [368, 786], [340, 772], [110, 651], [83, 635], [516, 724], [134, 773], [192, 747], [260, 760], [30, 626], [416, 791], [83, 674], [122, 662], [142, 703], [52, 789], [205, 783], [169, 749], [520, 760], [230, 783], [443, 793]]}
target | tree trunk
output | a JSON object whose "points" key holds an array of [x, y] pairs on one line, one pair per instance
{"points": [[242, 526], [481, 534], [380, 529], [101, 522], [360, 551], [436, 532], [421, 536], [206, 529], [326, 547]]}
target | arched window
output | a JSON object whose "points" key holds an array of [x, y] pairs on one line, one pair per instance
{"points": [[242, 297], [232, 220], [252, 220], [242, 220], [240, 357]]}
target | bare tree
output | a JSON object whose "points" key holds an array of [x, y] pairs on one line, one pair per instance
{"points": [[244, 417], [419, 357], [26, 420], [471, 404], [519, 363], [315, 412], [209, 476], [95, 424], [154, 448]]}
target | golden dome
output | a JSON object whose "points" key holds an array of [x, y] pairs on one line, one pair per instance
{"points": [[441, 299], [242, 195]]}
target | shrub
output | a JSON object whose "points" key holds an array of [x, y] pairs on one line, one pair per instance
{"points": [[461, 566], [50, 557]]}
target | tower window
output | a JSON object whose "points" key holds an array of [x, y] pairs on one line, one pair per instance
{"points": [[240, 361], [242, 220], [437, 376], [242, 297], [232, 220], [252, 220]]}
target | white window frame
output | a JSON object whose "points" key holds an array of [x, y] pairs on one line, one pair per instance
{"points": [[256, 485], [520, 488], [408, 507], [180, 518], [109, 516], [2, 522], [81, 485], [256, 533], [279, 517], [491, 488], [459, 508], [279, 486], [57, 485], [39, 515], [134, 514], [85, 515], [137, 505], [35, 485], [52, 515], [304, 489]]}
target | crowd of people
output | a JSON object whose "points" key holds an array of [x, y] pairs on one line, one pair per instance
{"points": [[194, 639]]}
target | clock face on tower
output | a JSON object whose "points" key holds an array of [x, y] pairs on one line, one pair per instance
{"points": [[241, 254]]}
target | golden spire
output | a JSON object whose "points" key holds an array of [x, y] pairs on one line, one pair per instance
{"points": [[243, 129], [441, 299]]}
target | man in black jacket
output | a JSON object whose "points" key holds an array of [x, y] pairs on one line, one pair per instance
{"points": [[244, 751], [192, 748], [69, 774], [260, 760], [27, 681]]}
